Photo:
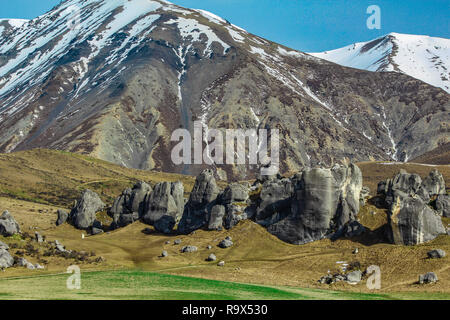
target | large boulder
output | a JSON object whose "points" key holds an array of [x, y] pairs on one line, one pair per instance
{"points": [[429, 277], [442, 205], [8, 226], [130, 206], [203, 197], [84, 212], [63, 215], [411, 221], [275, 200], [6, 260], [164, 206], [323, 203]]}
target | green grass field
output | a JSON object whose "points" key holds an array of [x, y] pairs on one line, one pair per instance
{"points": [[141, 285]]}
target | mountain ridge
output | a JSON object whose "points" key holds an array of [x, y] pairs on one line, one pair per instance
{"points": [[135, 71], [422, 57]]}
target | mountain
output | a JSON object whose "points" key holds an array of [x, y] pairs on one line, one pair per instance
{"points": [[9, 25], [422, 57], [113, 79]]}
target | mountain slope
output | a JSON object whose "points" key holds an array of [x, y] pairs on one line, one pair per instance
{"points": [[135, 71], [422, 57]]}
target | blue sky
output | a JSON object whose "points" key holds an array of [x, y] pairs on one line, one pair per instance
{"points": [[307, 25]]}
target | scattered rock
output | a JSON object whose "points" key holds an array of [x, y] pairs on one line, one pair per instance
{"points": [[8, 226], [221, 264], [436, 254], [63, 215], [83, 214], [167, 242], [38, 237], [429, 277], [100, 259], [354, 277], [228, 238], [20, 262], [211, 257], [177, 241], [225, 244], [189, 249], [37, 266], [209, 247], [356, 251], [164, 254]]}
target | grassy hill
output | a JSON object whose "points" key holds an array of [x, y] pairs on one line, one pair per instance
{"points": [[34, 184]]}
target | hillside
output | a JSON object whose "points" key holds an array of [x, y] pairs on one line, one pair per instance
{"points": [[119, 83], [53, 177]]}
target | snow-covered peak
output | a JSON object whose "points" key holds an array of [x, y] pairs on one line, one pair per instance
{"points": [[422, 57], [15, 23]]}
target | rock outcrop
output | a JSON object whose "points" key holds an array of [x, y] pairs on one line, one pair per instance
{"points": [[198, 208], [8, 226], [63, 215], [83, 214], [410, 220], [314, 204], [164, 206], [130, 205]]}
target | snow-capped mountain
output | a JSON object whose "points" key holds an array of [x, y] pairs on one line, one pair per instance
{"points": [[7, 25], [114, 79], [422, 57]]}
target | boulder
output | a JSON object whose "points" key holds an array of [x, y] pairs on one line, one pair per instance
{"points": [[6, 260], [436, 254], [177, 241], [202, 198], [63, 215], [95, 231], [221, 264], [275, 201], [189, 249], [38, 237], [130, 205], [365, 193], [165, 203], [354, 277], [442, 205], [429, 277], [225, 243], [84, 213], [211, 257], [164, 254], [324, 201], [21, 262], [8, 226], [411, 221]]}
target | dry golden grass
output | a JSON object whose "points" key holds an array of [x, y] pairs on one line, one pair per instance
{"points": [[257, 257], [374, 172]]}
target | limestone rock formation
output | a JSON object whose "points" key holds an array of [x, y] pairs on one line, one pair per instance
{"points": [[130, 206], [410, 220], [8, 226], [63, 215], [312, 205], [84, 212], [203, 197], [164, 206], [442, 205]]}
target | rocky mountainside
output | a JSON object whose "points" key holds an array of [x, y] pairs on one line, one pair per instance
{"points": [[113, 79], [422, 57]]}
